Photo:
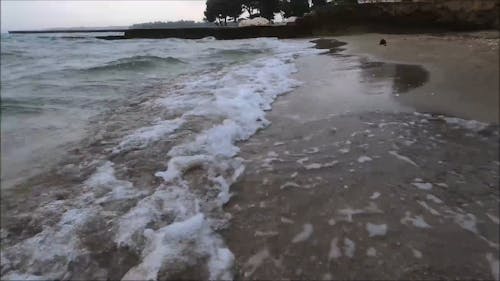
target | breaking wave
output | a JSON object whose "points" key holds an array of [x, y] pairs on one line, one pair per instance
{"points": [[136, 63], [117, 222]]}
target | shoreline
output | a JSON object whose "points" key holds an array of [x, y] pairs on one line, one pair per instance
{"points": [[349, 182], [345, 177], [463, 83]]}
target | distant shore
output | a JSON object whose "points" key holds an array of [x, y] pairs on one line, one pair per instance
{"points": [[447, 15], [65, 31]]}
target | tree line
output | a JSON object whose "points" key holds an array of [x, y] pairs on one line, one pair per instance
{"points": [[222, 11]]}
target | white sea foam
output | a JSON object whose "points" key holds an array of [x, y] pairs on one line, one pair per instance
{"points": [[493, 218], [335, 252], [255, 262], [145, 136], [166, 245], [104, 180], [349, 247], [416, 253], [494, 266], [53, 249], [423, 185], [371, 252], [364, 158], [289, 184], [417, 221], [376, 229], [403, 158], [348, 213], [467, 124], [428, 208], [240, 97], [344, 150], [434, 198], [307, 231], [466, 221], [314, 166], [286, 220], [173, 225], [375, 195]]}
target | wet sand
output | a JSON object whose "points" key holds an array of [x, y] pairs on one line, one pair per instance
{"points": [[349, 182], [464, 67]]}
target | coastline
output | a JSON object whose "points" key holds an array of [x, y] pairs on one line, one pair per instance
{"points": [[349, 182], [463, 70]]}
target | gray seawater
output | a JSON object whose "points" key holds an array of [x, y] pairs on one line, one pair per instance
{"points": [[118, 156], [52, 85]]}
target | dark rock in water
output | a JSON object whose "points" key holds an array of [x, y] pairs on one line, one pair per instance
{"points": [[383, 42]]}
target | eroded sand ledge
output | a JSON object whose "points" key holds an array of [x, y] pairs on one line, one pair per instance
{"points": [[372, 189]]}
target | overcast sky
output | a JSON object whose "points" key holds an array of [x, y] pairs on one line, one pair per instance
{"points": [[25, 14]]}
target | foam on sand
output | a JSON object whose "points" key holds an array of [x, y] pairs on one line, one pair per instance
{"points": [[314, 166], [335, 252], [375, 195], [417, 221], [349, 247], [165, 247], [371, 252], [376, 229], [494, 265], [423, 185], [403, 158], [307, 231], [428, 208], [364, 158], [416, 253], [433, 198]]}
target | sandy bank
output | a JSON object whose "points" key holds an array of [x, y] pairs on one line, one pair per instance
{"points": [[463, 69], [349, 183]]}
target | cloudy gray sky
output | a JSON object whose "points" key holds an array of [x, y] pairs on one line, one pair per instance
{"points": [[25, 14]]}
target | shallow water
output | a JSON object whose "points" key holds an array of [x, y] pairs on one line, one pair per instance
{"points": [[52, 86], [133, 147]]}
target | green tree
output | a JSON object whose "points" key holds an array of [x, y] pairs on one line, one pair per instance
{"points": [[268, 8], [251, 7], [221, 10], [295, 8], [345, 2], [318, 3]]}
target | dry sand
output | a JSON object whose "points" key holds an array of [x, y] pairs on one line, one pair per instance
{"points": [[349, 183]]}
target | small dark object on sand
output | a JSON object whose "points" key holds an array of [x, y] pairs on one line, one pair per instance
{"points": [[383, 42]]}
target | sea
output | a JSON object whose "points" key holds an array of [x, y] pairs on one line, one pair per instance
{"points": [[117, 157]]}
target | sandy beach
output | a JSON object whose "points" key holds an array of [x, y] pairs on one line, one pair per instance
{"points": [[373, 169]]}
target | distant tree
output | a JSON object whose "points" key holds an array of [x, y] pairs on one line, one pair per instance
{"points": [[234, 9], [251, 7], [345, 2], [295, 8], [221, 10], [268, 8], [171, 24], [318, 3]]}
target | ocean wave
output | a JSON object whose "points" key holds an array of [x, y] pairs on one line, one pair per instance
{"points": [[11, 106], [14, 54], [236, 52], [173, 224], [136, 63]]}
